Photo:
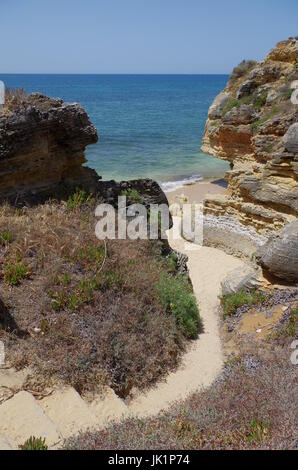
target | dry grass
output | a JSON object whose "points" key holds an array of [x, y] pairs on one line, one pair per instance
{"points": [[14, 97], [86, 325]]}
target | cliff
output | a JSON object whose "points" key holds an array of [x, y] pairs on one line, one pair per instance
{"points": [[253, 124], [42, 144]]}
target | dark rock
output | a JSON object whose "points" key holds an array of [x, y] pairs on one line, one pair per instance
{"points": [[42, 144]]}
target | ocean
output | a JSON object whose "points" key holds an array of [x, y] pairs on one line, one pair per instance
{"points": [[148, 125]]}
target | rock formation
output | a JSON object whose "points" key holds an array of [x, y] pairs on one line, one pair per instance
{"points": [[253, 124], [280, 254], [42, 144]]}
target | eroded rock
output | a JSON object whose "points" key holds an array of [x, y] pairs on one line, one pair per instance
{"points": [[279, 256]]}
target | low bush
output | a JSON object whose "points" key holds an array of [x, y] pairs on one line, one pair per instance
{"points": [[231, 302], [14, 272], [102, 321], [34, 443], [242, 69], [176, 296], [5, 238], [78, 198], [132, 196]]}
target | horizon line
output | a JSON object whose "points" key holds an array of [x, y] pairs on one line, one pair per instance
{"points": [[96, 73]]}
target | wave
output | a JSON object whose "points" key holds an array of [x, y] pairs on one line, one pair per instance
{"points": [[169, 186]]}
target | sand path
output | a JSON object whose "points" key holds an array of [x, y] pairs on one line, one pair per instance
{"points": [[204, 360]]}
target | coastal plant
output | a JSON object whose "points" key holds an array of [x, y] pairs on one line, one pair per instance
{"points": [[242, 69], [132, 195], [14, 98], [78, 198], [231, 302], [260, 100], [15, 272], [176, 296], [5, 238], [274, 110], [34, 443], [236, 103]]}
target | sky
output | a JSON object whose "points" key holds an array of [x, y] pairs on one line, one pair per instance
{"points": [[140, 36]]}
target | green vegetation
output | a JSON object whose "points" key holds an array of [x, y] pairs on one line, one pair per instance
{"points": [[260, 100], [34, 443], [235, 103], [177, 297], [132, 195], [270, 115], [78, 198], [231, 302], [268, 148], [15, 272], [5, 238], [258, 431], [289, 329]]}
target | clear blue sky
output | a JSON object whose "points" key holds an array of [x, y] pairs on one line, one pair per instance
{"points": [[139, 36]]}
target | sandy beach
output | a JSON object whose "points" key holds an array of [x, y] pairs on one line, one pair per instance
{"points": [[196, 192]]}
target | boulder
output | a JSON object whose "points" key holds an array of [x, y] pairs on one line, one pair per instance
{"points": [[218, 105], [241, 278], [290, 139], [246, 114], [279, 256]]}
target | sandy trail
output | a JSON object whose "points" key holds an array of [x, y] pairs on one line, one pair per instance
{"points": [[204, 360]]}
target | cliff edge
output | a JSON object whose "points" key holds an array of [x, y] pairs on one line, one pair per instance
{"points": [[253, 124], [42, 145]]}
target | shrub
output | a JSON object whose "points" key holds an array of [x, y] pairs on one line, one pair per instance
{"points": [[14, 97], [78, 198], [5, 238], [34, 443], [231, 302], [260, 100], [176, 296], [242, 69], [270, 115], [235, 103], [132, 195], [14, 273]]}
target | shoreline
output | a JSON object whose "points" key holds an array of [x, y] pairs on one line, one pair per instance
{"points": [[196, 192]]}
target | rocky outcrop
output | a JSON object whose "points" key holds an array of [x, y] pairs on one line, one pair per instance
{"points": [[243, 278], [280, 254], [42, 144], [253, 124]]}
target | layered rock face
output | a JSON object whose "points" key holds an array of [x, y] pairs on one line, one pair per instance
{"points": [[253, 124], [42, 144]]}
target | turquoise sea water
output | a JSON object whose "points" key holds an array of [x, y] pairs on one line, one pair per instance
{"points": [[148, 125]]}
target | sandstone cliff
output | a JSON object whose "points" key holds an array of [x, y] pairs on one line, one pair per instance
{"points": [[253, 124], [42, 144]]}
